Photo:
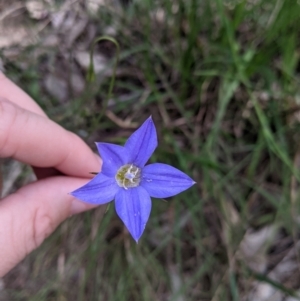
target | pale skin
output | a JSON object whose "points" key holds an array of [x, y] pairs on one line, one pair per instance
{"points": [[61, 161]]}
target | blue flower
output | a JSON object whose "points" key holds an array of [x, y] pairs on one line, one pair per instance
{"points": [[125, 179]]}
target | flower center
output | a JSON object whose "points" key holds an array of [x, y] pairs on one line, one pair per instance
{"points": [[128, 176]]}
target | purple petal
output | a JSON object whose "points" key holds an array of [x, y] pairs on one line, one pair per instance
{"points": [[100, 190], [133, 207], [142, 143], [162, 180], [113, 156]]}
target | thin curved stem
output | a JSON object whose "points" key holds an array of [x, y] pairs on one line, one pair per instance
{"points": [[91, 71]]}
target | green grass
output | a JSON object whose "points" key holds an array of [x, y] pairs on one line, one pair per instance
{"points": [[221, 80]]}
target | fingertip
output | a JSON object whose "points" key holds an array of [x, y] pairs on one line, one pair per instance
{"points": [[78, 207]]}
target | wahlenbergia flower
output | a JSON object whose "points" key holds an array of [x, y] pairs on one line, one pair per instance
{"points": [[125, 179]]}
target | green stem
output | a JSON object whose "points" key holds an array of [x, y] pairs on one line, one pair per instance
{"points": [[91, 71]]}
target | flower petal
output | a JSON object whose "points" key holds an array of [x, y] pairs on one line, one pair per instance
{"points": [[133, 207], [113, 157], [100, 190], [142, 143], [162, 180]]}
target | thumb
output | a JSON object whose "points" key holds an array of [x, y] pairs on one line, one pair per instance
{"points": [[31, 214]]}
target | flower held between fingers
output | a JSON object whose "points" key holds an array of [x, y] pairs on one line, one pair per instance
{"points": [[125, 179]]}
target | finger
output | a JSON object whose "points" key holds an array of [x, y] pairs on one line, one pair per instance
{"points": [[13, 93], [32, 213], [40, 142]]}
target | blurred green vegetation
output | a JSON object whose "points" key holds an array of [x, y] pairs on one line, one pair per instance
{"points": [[221, 80]]}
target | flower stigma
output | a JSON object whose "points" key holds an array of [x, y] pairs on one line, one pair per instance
{"points": [[128, 176]]}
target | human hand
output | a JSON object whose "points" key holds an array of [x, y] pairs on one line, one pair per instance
{"points": [[33, 212]]}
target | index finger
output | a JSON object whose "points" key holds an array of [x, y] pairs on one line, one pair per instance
{"points": [[11, 92], [38, 141]]}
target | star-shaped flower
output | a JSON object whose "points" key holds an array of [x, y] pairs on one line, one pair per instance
{"points": [[125, 179]]}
